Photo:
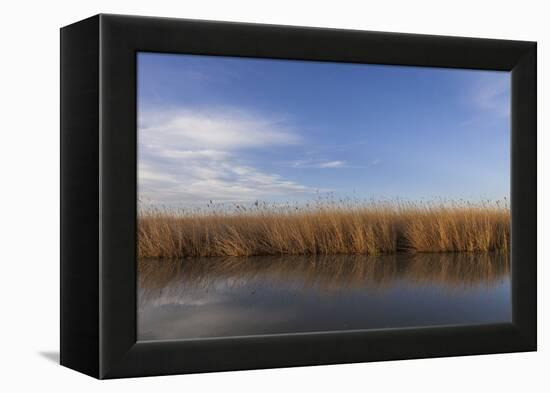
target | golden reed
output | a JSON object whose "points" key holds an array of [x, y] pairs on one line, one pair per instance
{"points": [[329, 228]]}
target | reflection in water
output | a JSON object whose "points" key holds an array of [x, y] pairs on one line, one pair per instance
{"points": [[213, 297]]}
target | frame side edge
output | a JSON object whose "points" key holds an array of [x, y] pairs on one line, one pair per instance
{"points": [[79, 288], [524, 196]]}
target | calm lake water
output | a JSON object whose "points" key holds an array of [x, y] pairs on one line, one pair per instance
{"points": [[221, 297]]}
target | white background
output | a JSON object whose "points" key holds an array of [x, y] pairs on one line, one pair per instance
{"points": [[29, 197]]}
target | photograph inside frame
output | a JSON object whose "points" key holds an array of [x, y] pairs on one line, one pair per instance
{"points": [[285, 196]]}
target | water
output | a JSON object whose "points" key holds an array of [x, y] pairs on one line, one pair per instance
{"points": [[222, 297]]}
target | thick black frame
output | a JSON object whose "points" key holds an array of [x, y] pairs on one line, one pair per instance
{"points": [[98, 195]]}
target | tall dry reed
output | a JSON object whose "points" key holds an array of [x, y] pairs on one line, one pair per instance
{"points": [[325, 229]]}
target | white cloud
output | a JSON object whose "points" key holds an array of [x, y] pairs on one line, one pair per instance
{"points": [[218, 130], [191, 157]]}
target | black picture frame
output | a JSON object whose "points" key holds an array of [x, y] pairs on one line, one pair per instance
{"points": [[98, 195]]}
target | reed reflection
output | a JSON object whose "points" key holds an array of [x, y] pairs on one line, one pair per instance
{"points": [[221, 297], [323, 273]]}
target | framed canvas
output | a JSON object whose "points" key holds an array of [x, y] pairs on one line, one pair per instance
{"points": [[240, 196]]}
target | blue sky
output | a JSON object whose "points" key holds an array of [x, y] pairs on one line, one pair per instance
{"points": [[239, 130]]}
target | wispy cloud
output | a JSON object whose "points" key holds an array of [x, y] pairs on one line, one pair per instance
{"points": [[332, 164], [492, 93], [320, 164], [189, 157]]}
